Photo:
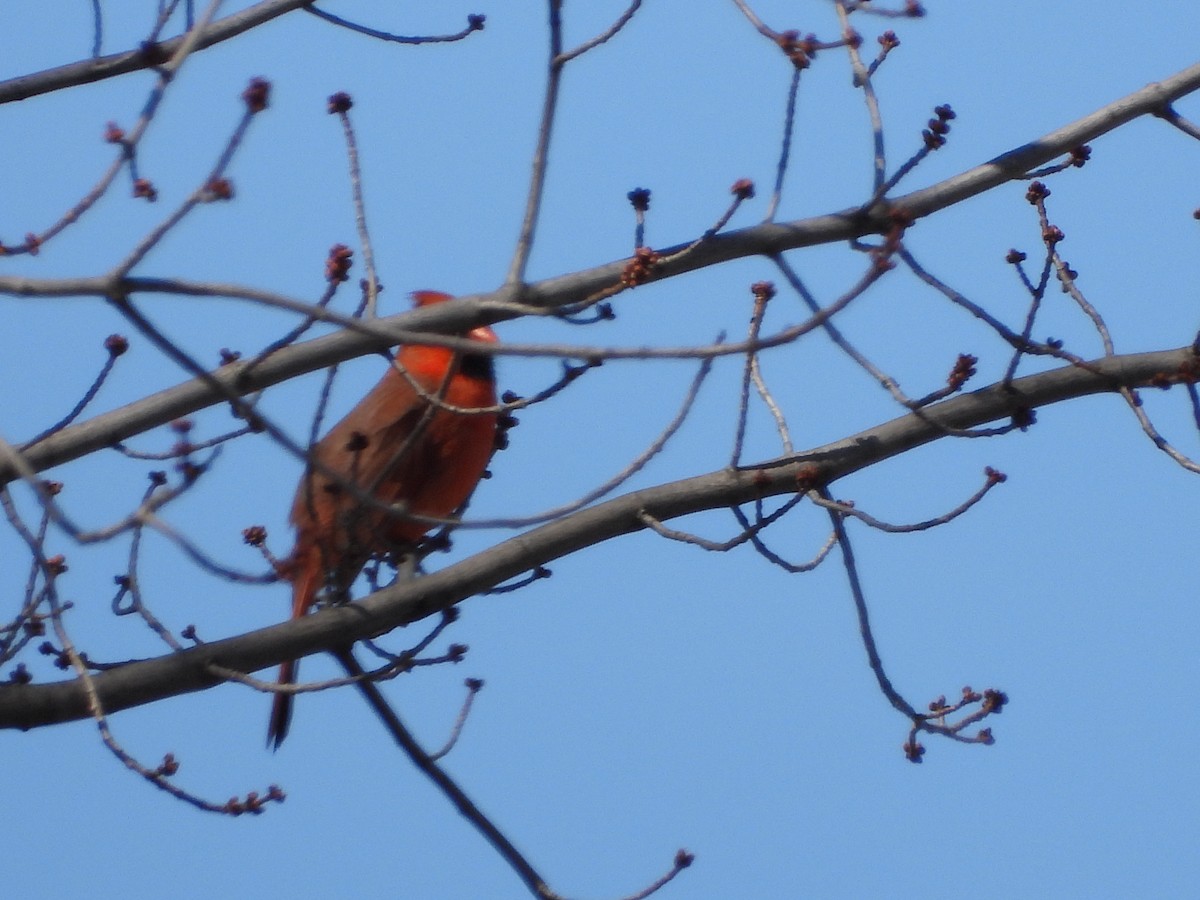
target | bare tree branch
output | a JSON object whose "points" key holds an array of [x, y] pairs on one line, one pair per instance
{"points": [[764, 239], [89, 70], [28, 706]]}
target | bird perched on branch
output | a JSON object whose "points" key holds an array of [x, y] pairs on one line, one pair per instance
{"points": [[416, 445]]}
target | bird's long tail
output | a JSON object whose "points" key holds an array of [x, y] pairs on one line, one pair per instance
{"points": [[307, 575]]}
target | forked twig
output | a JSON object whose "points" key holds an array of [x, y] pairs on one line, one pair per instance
{"points": [[447, 785]]}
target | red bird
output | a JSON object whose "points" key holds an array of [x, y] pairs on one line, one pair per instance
{"points": [[398, 447]]}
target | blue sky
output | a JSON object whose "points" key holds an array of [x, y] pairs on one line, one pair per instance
{"points": [[649, 696]]}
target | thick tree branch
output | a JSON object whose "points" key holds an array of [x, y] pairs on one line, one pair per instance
{"points": [[765, 239], [88, 70], [30, 706]]}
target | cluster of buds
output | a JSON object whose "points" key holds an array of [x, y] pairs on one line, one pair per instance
{"points": [[743, 189], [990, 701], [183, 449], [1187, 373], [808, 476], [881, 254], [337, 264], [62, 659], [763, 291], [257, 95], [639, 198], [254, 803], [797, 49], [938, 127], [994, 700], [639, 269], [255, 535], [994, 476], [339, 103], [964, 368], [143, 188], [218, 189]]}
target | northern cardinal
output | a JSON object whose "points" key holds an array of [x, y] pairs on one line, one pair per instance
{"points": [[398, 447]]}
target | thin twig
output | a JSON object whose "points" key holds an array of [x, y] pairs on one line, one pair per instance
{"points": [[165, 11], [864, 621], [1169, 114], [159, 777], [129, 586], [748, 531], [537, 179], [295, 333], [360, 211], [742, 190], [195, 198], [1036, 294], [429, 767], [474, 23], [683, 859], [755, 20], [97, 29], [768, 399], [88, 396], [447, 618], [127, 142], [785, 145], [993, 478], [862, 79], [176, 452], [774, 558], [474, 685], [763, 291], [537, 573], [602, 37], [635, 466], [202, 559]]}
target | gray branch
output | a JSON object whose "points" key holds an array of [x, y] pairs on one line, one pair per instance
{"points": [[138, 683], [88, 70], [765, 239]]}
